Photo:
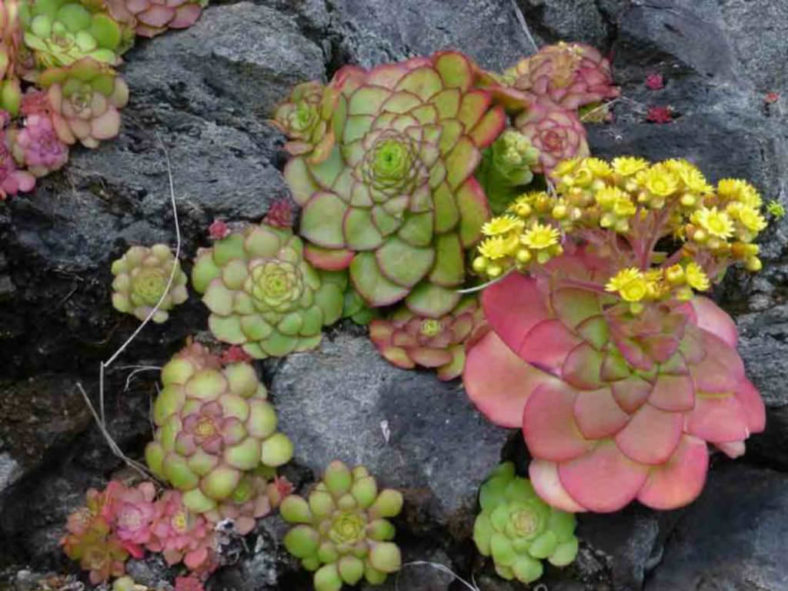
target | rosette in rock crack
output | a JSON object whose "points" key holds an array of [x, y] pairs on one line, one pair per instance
{"points": [[519, 530], [253, 498], [342, 533], [153, 17], [141, 278], [85, 98], [37, 146], [12, 180], [213, 427], [396, 200], [305, 118], [571, 75], [614, 406], [263, 295], [407, 340], [555, 131], [61, 32]]}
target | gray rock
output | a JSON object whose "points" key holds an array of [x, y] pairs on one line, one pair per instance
{"points": [[566, 20], [732, 537], [377, 31], [412, 431]]}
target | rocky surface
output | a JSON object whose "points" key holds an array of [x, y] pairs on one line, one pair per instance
{"points": [[204, 94]]}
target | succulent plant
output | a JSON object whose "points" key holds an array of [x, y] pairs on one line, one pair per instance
{"points": [[180, 535], [61, 32], [613, 405], [190, 583], [213, 427], [253, 498], [12, 180], [571, 75], [85, 97], [519, 530], [396, 201], [126, 583], [280, 214], [357, 309], [132, 510], [507, 166], [153, 17], [407, 340], [37, 147], [141, 279], [342, 530], [102, 555], [263, 295], [305, 118], [556, 132]]}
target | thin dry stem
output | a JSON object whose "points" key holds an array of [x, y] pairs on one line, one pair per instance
{"points": [[100, 416], [437, 566]]}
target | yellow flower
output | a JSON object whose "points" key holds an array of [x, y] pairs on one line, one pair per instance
{"points": [[630, 283], [716, 223], [565, 167], [659, 181], [751, 219], [598, 167], [608, 196], [502, 225], [655, 283], [628, 165], [689, 174], [540, 236], [624, 207], [496, 247], [696, 277], [739, 190]]}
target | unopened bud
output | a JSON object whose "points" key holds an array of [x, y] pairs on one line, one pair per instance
{"points": [[753, 264], [479, 264], [523, 255]]}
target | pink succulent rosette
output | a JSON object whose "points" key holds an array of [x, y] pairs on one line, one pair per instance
{"points": [[571, 75], [38, 147], [132, 512], [12, 180], [613, 408], [180, 535], [555, 131]]}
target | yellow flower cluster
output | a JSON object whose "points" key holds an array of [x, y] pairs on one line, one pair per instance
{"points": [[679, 281], [631, 194], [530, 232]]}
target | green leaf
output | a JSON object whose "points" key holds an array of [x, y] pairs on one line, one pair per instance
{"points": [[404, 264]]}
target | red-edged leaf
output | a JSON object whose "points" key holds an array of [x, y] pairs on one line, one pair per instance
{"points": [[679, 481], [720, 370], [513, 307], [709, 316], [718, 419], [544, 477], [598, 415], [631, 393], [651, 435], [673, 393], [547, 345], [752, 403], [489, 128], [582, 368], [549, 426], [330, 260], [498, 382], [604, 479]]}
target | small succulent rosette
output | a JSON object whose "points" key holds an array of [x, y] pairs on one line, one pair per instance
{"points": [[263, 295], [305, 118], [214, 428], [142, 280], [395, 200], [519, 530], [570, 75], [408, 340], [620, 375], [342, 530]]}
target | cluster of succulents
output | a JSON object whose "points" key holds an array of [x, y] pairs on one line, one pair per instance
{"points": [[58, 78], [342, 531], [519, 530], [216, 432], [617, 372]]}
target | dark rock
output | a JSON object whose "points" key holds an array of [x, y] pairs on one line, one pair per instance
{"points": [[732, 537], [345, 402], [567, 20], [377, 31]]}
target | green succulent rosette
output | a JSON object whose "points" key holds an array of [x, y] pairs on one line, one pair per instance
{"points": [[519, 530], [214, 429], [263, 295], [141, 278], [395, 201], [61, 32], [342, 531], [507, 168]]}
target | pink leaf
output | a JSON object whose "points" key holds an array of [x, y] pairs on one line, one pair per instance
{"points": [[651, 435], [598, 415], [679, 481], [544, 477], [549, 426]]}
